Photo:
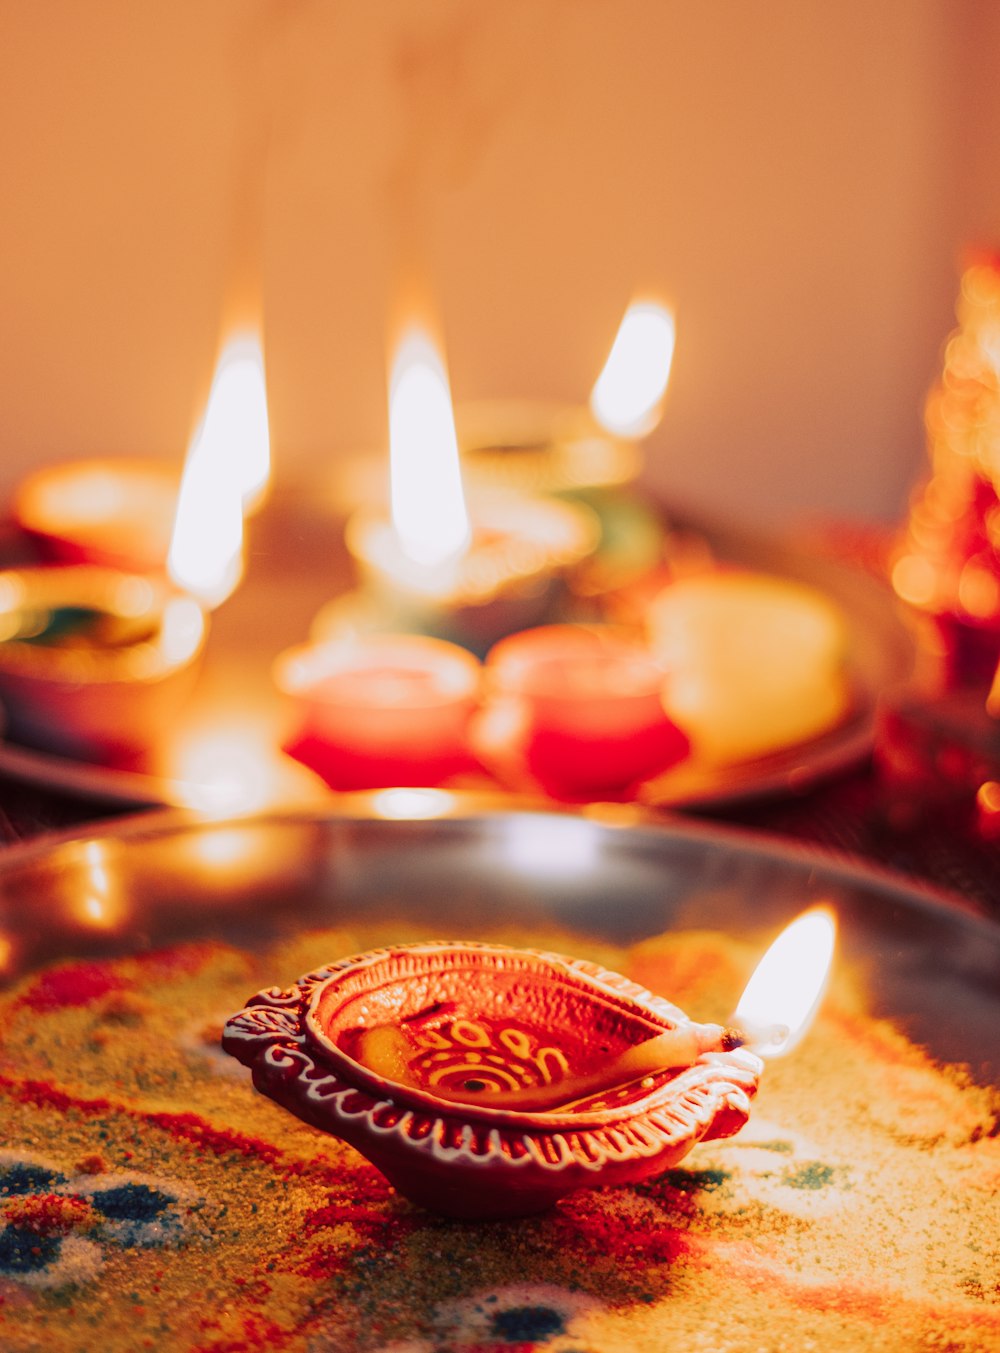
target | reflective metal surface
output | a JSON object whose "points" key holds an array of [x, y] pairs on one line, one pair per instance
{"points": [[457, 865]]}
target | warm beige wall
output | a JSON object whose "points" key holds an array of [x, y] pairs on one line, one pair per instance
{"points": [[797, 175]]}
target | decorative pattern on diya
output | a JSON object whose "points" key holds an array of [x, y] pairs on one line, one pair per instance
{"points": [[475, 1055], [369, 1048]]}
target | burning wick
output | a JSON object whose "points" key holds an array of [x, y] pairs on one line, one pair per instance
{"points": [[774, 1012]]}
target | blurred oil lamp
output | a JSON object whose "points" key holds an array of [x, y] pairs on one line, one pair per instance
{"points": [[575, 710], [114, 513], [120, 512], [466, 572], [381, 710], [588, 455], [486, 1081], [534, 446], [93, 661]]}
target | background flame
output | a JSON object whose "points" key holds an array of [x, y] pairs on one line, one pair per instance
{"points": [[237, 416], [428, 504], [628, 395], [227, 469]]}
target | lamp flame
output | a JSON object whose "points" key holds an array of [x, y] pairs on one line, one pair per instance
{"points": [[227, 469], [428, 504], [786, 988], [237, 416], [627, 398]]}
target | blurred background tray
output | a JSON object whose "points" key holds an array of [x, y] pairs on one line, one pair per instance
{"points": [[224, 754]]}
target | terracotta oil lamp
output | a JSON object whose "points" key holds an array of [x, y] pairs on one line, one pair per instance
{"points": [[92, 659], [488, 1082]]}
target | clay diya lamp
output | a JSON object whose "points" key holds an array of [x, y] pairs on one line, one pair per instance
{"points": [[94, 661], [488, 1082], [113, 512], [510, 575]]}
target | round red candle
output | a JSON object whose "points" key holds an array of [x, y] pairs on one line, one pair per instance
{"points": [[576, 709], [381, 710]]}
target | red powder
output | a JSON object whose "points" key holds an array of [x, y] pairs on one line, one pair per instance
{"points": [[78, 984], [257, 1335], [49, 1214], [44, 1095]]}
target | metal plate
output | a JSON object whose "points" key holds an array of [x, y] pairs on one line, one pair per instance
{"points": [[453, 864], [297, 563]]}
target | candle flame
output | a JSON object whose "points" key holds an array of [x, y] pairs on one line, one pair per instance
{"points": [[785, 989], [628, 396], [238, 405], [226, 471], [428, 505]]}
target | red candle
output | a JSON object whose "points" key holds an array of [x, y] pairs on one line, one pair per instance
{"points": [[381, 710], [577, 710]]}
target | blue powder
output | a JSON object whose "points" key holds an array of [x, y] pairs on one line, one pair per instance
{"points": [[695, 1181], [523, 1324], [25, 1252], [813, 1176], [131, 1202], [25, 1178]]}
